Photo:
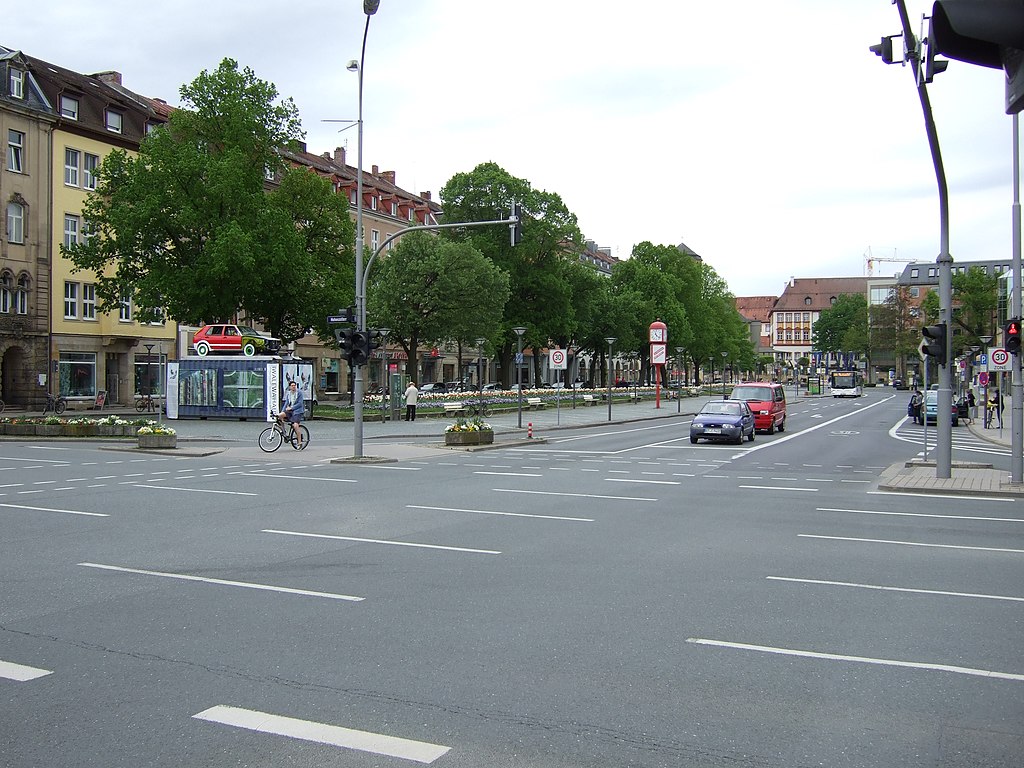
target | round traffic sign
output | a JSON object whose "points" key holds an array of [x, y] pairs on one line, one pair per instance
{"points": [[1000, 356], [557, 357]]}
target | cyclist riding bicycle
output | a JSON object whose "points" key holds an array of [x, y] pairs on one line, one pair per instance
{"points": [[293, 409]]}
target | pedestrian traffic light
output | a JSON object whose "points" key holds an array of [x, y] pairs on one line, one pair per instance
{"points": [[1011, 336], [989, 33], [934, 344], [517, 227], [360, 348], [344, 337], [374, 338]]}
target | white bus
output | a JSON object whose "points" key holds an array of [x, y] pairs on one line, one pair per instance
{"points": [[846, 384]]}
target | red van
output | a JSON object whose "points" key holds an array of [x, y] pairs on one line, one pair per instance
{"points": [[768, 402]]}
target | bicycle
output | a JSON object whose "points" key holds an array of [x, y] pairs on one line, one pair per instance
{"points": [[280, 432], [56, 404], [483, 411], [147, 403]]}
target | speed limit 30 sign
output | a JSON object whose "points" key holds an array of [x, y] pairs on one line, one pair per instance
{"points": [[559, 361], [998, 359]]}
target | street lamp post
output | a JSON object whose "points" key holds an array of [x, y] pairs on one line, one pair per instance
{"points": [[519, 331], [610, 340], [369, 8], [724, 355], [479, 376], [679, 384]]}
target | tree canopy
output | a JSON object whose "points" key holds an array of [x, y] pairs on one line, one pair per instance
{"points": [[187, 227]]}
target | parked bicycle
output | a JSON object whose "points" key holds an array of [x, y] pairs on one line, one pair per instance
{"points": [[483, 411], [147, 403], [56, 404], [280, 432]]}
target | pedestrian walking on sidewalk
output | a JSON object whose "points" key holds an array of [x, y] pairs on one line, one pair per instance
{"points": [[411, 393]]}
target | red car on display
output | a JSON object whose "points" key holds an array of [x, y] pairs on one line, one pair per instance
{"points": [[224, 338]]}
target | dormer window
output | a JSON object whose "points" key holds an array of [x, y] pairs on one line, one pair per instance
{"points": [[832, 300], [115, 121], [807, 301], [69, 107], [17, 83]]}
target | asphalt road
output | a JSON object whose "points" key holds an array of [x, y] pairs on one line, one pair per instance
{"points": [[612, 597]]}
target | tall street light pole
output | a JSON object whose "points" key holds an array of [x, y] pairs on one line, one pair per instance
{"points": [[724, 355], [679, 384], [519, 331], [611, 340], [369, 8], [479, 376]]}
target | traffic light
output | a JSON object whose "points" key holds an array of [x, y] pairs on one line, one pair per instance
{"points": [[345, 341], [374, 341], [517, 228], [932, 66], [934, 344], [1011, 336], [884, 49], [360, 348], [989, 33]]}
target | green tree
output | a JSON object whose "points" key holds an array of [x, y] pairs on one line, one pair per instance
{"points": [[540, 298], [843, 326], [429, 290], [895, 326], [187, 228]]}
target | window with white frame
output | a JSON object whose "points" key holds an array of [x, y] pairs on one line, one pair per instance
{"points": [[115, 121], [70, 300], [90, 169], [373, 202], [15, 223], [21, 295], [352, 197], [6, 289], [374, 238], [15, 151], [88, 301], [394, 207], [412, 214], [69, 107], [71, 160], [17, 83], [72, 224], [125, 309]]}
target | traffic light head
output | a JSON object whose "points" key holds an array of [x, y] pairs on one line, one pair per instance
{"points": [[884, 49], [360, 348], [1011, 335], [935, 342], [517, 228], [344, 337]]}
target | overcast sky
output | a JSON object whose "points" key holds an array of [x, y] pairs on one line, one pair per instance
{"points": [[764, 135]]}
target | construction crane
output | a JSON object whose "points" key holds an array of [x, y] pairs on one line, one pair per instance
{"points": [[870, 260]]}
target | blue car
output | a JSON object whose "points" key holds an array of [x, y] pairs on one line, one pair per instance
{"points": [[730, 420]]}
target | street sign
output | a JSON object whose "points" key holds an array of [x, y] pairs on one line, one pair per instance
{"points": [[999, 360], [519, 358], [558, 360], [657, 354]]}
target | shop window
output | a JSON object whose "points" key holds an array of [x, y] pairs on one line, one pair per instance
{"points": [[76, 374]]}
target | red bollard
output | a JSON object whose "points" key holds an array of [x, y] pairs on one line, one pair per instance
{"points": [[529, 430]]}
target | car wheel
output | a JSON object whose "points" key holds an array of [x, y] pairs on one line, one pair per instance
{"points": [[750, 437], [693, 439], [202, 349], [771, 428], [249, 349], [782, 426]]}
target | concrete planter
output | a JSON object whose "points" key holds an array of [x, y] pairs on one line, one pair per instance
{"points": [[158, 441], [49, 430], [482, 437]]}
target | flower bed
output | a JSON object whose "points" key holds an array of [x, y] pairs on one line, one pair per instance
{"points": [[474, 431], [54, 426]]}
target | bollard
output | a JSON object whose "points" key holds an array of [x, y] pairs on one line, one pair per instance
{"points": [[529, 430]]}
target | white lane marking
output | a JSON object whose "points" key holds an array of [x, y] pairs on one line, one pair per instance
{"points": [[779, 488], [382, 541], [224, 582], [321, 733], [19, 672], [923, 514], [36, 459], [884, 588], [576, 495], [295, 477], [858, 659], [509, 474], [910, 543], [505, 514], [953, 496], [393, 467], [48, 509], [194, 490], [633, 480]]}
